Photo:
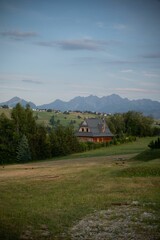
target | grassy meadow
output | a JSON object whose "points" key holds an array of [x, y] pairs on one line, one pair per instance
{"points": [[53, 195], [65, 119]]}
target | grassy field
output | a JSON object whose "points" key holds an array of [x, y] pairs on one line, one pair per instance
{"points": [[63, 118], [7, 112], [138, 146], [43, 200]]}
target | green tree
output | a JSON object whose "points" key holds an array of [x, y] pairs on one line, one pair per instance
{"points": [[40, 146], [19, 119], [63, 141], [116, 123], [8, 141], [23, 151], [25, 124], [30, 121], [154, 144], [52, 120], [54, 143], [137, 125], [130, 123], [23, 120]]}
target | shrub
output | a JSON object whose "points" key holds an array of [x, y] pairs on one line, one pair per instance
{"points": [[154, 144]]}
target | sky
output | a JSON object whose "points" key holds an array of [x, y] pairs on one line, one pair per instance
{"points": [[60, 49]]}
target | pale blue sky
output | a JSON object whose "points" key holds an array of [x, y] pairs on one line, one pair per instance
{"points": [[63, 48]]}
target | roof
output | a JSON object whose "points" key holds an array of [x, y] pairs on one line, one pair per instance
{"points": [[98, 128]]}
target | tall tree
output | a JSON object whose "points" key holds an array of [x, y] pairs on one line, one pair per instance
{"points": [[8, 141], [40, 146], [63, 141], [19, 119], [24, 120], [116, 124], [130, 123], [137, 125], [23, 151]]}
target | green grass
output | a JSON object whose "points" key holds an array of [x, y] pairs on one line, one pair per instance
{"points": [[147, 165], [59, 193], [138, 146], [7, 112], [141, 170], [148, 155], [65, 119]]}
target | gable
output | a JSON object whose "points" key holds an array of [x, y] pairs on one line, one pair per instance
{"points": [[84, 124]]}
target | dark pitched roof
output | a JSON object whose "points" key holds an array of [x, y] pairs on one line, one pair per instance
{"points": [[98, 128]]}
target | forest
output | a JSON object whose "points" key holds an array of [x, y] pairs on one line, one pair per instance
{"points": [[22, 139]]}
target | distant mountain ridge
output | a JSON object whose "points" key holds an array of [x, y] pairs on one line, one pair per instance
{"points": [[15, 100], [107, 104]]}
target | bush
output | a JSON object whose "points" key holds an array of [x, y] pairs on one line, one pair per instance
{"points": [[154, 144]]}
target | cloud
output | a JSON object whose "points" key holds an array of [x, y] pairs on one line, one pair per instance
{"points": [[18, 34], [138, 90], [19, 78], [105, 61], [151, 75], [119, 26], [31, 81], [150, 84], [120, 62], [152, 55], [77, 44], [127, 71], [19, 89], [100, 25]]}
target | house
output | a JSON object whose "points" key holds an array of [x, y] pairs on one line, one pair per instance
{"points": [[94, 130]]}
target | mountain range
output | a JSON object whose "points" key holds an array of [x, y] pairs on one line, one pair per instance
{"points": [[107, 104], [15, 100]]}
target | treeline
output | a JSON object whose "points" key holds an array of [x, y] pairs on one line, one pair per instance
{"points": [[23, 140], [132, 124]]}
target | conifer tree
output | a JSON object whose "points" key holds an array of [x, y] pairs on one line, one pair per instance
{"points": [[23, 151]]}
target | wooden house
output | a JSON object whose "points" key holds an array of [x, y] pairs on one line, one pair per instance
{"points": [[94, 130]]}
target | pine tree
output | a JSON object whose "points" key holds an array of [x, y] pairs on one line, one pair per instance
{"points": [[23, 151]]}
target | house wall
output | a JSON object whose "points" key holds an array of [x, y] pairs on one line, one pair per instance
{"points": [[102, 139], [95, 139]]}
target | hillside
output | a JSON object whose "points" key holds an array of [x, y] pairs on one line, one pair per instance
{"points": [[107, 104]]}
